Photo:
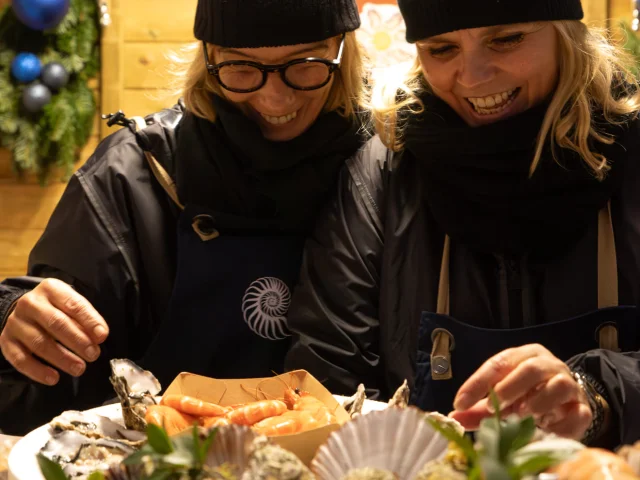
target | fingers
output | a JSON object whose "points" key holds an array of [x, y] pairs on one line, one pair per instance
{"points": [[493, 371], [75, 306], [529, 377], [34, 339], [573, 420], [23, 362], [559, 390], [470, 419]]}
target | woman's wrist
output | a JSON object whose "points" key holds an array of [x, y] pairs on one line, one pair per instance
{"points": [[596, 397]]}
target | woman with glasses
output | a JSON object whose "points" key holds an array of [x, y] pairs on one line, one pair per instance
{"points": [[178, 243], [489, 238]]}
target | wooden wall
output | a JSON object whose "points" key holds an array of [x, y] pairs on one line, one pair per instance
{"points": [[134, 79]]}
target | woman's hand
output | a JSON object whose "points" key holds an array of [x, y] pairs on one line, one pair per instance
{"points": [[527, 380], [56, 324]]}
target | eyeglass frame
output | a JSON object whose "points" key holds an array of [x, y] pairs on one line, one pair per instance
{"points": [[280, 68]]}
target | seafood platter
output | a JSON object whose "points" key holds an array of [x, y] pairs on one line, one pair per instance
{"points": [[289, 427]]}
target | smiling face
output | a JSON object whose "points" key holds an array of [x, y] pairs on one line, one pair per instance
{"points": [[491, 73], [282, 112]]}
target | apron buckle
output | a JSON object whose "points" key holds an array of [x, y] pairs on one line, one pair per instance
{"points": [[607, 336], [443, 344], [204, 227]]}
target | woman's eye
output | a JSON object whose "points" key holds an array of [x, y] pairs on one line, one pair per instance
{"points": [[441, 51], [509, 40]]}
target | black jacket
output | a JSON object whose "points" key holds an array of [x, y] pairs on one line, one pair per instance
{"points": [[373, 266], [112, 237]]}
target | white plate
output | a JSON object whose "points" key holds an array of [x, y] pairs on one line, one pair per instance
{"points": [[22, 459]]}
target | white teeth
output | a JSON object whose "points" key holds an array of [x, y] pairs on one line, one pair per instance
{"points": [[280, 120], [492, 103]]}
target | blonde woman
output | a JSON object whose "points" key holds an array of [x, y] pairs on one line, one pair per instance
{"points": [[185, 261], [489, 237]]}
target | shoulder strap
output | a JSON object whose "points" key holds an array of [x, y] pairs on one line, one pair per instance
{"points": [[164, 179]]}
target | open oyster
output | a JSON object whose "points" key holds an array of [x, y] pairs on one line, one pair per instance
{"points": [[95, 426], [80, 455], [136, 388], [271, 462], [369, 473]]}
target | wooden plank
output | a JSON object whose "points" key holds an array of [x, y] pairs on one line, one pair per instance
{"points": [[144, 102], [27, 207], [158, 20], [15, 246], [8, 175], [112, 63], [148, 64]]}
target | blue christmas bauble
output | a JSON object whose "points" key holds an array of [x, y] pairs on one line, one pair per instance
{"points": [[26, 67], [40, 14]]}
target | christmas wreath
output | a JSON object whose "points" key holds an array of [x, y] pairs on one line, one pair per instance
{"points": [[49, 50]]}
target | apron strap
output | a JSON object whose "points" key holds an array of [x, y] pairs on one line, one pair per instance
{"points": [[607, 335], [163, 178]]}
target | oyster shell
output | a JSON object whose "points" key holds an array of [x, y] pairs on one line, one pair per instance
{"points": [[80, 455], [396, 440], [136, 388], [355, 403], [443, 419], [95, 426], [400, 399], [271, 462]]}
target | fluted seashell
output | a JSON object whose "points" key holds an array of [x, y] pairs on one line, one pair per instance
{"points": [[231, 447], [400, 441]]}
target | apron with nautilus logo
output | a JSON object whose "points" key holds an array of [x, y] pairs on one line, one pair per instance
{"points": [[231, 295]]}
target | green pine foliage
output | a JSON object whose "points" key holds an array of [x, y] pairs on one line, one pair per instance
{"points": [[55, 136]]}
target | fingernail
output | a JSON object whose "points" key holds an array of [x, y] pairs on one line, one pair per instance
{"points": [[51, 379], [77, 369], [92, 352], [100, 331], [462, 402]]}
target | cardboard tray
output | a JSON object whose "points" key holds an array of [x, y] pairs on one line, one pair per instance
{"points": [[231, 392]]}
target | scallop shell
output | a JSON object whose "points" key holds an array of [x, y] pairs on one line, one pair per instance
{"points": [[398, 440], [231, 446]]}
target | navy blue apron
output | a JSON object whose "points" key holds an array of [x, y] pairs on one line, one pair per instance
{"points": [[231, 295], [450, 351]]}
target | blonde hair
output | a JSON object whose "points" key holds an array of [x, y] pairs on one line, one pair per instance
{"points": [[196, 85], [595, 75]]}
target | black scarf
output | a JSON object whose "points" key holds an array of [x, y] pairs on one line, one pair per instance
{"points": [[477, 183], [229, 167]]}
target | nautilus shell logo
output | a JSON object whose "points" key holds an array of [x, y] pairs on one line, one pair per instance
{"points": [[265, 306]]}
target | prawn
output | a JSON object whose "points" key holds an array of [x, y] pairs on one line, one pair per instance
{"points": [[256, 411], [292, 421], [172, 420], [594, 464], [193, 406], [210, 422]]}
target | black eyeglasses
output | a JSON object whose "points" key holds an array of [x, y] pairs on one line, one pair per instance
{"points": [[241, 76]]}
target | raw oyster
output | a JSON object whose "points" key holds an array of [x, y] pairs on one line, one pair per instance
{"points": [[136, 388], [400, 399], [440, 470], [95, 426], [80, 455], [369, 474], [271, 462]]}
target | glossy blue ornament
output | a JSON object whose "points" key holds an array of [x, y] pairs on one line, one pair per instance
{"points": [[26, 67], [40, 14]]}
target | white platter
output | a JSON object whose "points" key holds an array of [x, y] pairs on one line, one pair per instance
{"points": [[22, 459]]}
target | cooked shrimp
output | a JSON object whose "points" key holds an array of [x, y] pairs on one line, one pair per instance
{"points": [[172, 420], [211, 422], [256, 411], [292, 421], [301, 400], [595, 464], [193, 406]]}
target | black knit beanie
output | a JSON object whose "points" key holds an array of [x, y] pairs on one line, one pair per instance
{"points": [[273, 23], [427, 18]]}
